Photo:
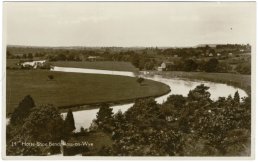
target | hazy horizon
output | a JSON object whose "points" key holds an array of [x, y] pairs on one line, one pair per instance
{"points": [[128, 24], [121, 46]]}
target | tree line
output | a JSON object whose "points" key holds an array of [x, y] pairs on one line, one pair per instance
{"points": [[191, 59]]}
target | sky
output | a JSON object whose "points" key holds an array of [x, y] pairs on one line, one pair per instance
{"points": [[127, 24]]}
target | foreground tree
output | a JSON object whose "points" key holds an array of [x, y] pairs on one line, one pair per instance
{"points": [[237, 97], [69, 125], [105, 117], [43, 126], [144, 132], [22, 111], [185, 126], [200, 93]]}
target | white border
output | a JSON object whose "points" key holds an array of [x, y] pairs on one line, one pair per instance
{"points": [[2, 92]]}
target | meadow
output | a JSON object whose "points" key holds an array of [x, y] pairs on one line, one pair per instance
{"points": [[74, 89]]}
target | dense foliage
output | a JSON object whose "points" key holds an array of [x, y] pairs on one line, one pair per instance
{"points": [[104, 117], [22, 111], [43, 125], [183, 126]]}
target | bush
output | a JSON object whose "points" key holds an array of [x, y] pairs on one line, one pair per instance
{"points": [[140, 80], [50, 77]]}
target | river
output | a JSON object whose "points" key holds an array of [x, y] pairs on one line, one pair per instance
{"points": [[178, 86]]}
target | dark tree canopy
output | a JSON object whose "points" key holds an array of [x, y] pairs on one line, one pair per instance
{"points": [[190, 65], [23, 110], [211, 65], [237, 97], [199, 93], [105, 117], [69, 125], [44, 125], [140, 80], [184, 126], [50, 77]]}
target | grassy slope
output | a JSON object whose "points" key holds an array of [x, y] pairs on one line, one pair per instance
{"points": [[102, 65], [74, 88], [237, 80]]}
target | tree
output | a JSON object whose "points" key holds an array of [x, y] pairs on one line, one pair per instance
{"points": [[43, 125], [22, 111], [140, 80], [199, 93], [29, 56], [211, 65], [24, 56], [237, 97], [9, 55], [105, 117], [177, 100], [50, 77], [135, 60], [69, 125], [119, 117], [190, 65], [82, 130], [142, 110]]}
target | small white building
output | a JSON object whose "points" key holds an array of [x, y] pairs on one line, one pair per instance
{"points": [[33, 64], [218, 54], [210, 55], [93, 58], [165, 66]]}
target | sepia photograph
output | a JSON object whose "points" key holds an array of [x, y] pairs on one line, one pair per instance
{"points": [[168, 80]]}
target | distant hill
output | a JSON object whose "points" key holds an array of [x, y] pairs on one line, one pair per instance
{"points": [[210, 45]]}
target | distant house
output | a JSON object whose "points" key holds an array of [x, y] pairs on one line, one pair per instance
{"points": [[34, 64], [230, 54], [95, 58], [210, 55], [218, 54], [166, 66]]}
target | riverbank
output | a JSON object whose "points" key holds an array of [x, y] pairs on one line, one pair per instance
{"points": [[236, 80], [91, 106]]}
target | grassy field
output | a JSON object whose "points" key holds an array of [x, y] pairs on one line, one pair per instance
{"points": [[74, 89], [101, 65], [12, 63], [237, 80]]}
